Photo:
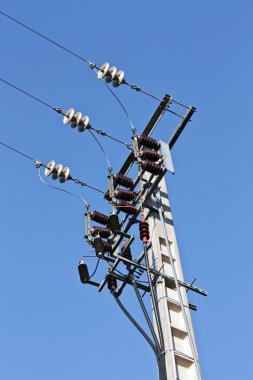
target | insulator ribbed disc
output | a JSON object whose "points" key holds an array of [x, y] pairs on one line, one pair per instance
{"points": [[118, 79], [111, 74], [64, 175], [83, 123], [76, 119], [68, 117], [57, 172], [103, 70], [49, 168]]}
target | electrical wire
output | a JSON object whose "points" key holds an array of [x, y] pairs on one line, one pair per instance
{"points": [[65, 191], [102, 149], [17, 151], [27, 93], [89, 63], [96, 268]]}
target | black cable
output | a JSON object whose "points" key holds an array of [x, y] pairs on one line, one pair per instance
{"points": [[94, 272], [17, 151], [91, 64], [49, 40], [27, 93]]}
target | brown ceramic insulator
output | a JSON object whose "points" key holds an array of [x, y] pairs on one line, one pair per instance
{"points": [[149, 154], [113, 223], [127, 195], [120, 179], [98, 217], [144, 231], [127, 253], [101, 231], [151, 167], [148, 142], [107, 247], [126, 207], [112, 283]]}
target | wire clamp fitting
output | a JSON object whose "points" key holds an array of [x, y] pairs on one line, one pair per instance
{"points": [[38, 164]]}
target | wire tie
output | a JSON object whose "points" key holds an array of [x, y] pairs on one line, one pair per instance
{"points": [[38, 164]]}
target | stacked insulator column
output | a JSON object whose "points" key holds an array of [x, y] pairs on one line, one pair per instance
{"points": [[126, 207], [101, 231], [122, 180], [57, 171], [99, 217], [110, 74], [127, 195], [149, 154], [151, 167], [76, 120], [144, 230], [148, 142]]}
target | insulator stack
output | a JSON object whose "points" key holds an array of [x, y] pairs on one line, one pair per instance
{"points": [[148, 142], [83, 272], [107, 247], [144, 231], [149, 154], [63, 174], [112, 283], [126, 207], [127, 195], [151, 167], [120, 179], [113, 223], [111, 75], [101, 231], [76, 120], [99, 246], [98, 217], [127, 254]]}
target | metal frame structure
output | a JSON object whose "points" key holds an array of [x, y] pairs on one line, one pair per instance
{"points": [[172, 337]]}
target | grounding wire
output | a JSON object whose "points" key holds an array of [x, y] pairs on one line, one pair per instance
{"points": [[102, 149], [91, 64], [65, 191]]}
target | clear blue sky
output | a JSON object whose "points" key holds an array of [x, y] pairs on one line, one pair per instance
{"points": [[51, 326]]}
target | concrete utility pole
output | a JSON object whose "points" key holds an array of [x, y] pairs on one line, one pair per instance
{"points": [[181, 357], [171, 335]]}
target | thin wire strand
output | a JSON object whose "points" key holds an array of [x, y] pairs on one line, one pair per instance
{"points": [[96, 268], [17, 151], [26, 93], [65, 191], [45, 38], [101, 147], [91, 64], [120, 103]]}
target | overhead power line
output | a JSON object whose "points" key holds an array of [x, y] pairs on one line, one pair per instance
{"points": [[92, 65]]}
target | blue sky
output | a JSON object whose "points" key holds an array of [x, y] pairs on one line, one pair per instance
{"points": [[51, 326]]}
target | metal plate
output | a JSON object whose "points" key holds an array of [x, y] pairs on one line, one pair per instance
{"points": [[167, 160]]}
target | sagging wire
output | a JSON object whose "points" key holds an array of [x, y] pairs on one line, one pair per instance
{"points": [[92, 65], [102, 149], [58, 188], [60, 111]]}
